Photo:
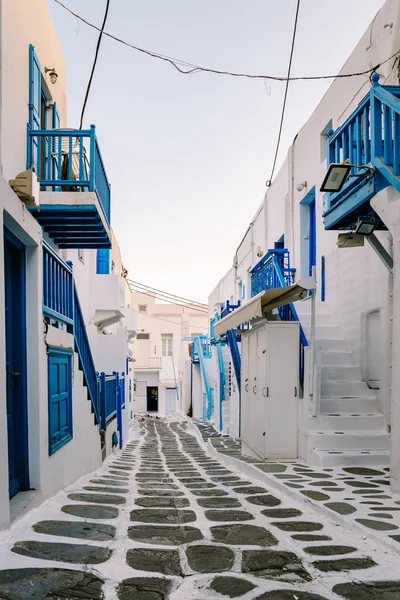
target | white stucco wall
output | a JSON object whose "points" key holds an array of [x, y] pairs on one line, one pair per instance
{"points": [[25, 23]]}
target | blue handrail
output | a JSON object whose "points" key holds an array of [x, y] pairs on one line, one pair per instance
{"points": [[198, 351], [58, 300], [69, 160], [83, 349], [235, 353]]}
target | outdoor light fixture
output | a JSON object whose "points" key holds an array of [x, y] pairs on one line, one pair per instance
{"points": [[52, 74], [338, 173], [365, 227]]}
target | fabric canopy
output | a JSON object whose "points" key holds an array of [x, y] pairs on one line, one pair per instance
{"points": [[264, 301]]}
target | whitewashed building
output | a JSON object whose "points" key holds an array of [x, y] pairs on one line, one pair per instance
{"points": [[67, 322], [350, 409], [161, 358]]}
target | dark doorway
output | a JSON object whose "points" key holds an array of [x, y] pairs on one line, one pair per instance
{"points": [[152, 398], [15, 321]]}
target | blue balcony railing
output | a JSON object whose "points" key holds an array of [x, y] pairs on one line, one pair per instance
{"points": [[264, 276], [58, 285], [69, 160], [370, 136]]}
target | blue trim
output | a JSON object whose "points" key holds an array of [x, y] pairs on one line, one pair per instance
{"points": [[322, 278], [16, 361], [59, 397]]}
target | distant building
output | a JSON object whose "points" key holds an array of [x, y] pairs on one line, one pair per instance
{"points": [[160, 353]]}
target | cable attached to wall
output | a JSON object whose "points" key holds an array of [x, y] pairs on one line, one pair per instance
{"points": [[94, 63]]}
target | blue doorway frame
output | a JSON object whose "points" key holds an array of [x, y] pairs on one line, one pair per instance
{"points": [[308, 224], [16, 391]]}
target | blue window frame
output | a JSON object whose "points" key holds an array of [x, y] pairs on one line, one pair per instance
{"points": [[60, 397], [35, 97], [103, 261]]}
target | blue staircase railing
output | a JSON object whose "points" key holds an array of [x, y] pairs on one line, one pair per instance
{"points": [[58, 282], [200, 350], [235, 353], [69, 160], [275, 272], [86, 362], [369, 137], [61, 304]]}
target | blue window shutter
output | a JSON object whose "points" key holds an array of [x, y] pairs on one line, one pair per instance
{"points": [[60, 397], [56, 117], [35, 89], [35, 95], [103, 261]]}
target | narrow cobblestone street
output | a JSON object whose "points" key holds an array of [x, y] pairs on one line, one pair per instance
{"points": [[165, 519]]}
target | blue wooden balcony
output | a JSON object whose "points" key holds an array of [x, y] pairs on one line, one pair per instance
{"points": [[369, 137], [75, 194]]}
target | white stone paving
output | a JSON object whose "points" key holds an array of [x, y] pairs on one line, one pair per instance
{"points": [[195, 586]]}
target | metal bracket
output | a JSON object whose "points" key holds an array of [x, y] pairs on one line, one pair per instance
{"points": [[380, 250]]}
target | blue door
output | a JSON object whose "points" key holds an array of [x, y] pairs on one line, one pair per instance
{"points": [[312, 239], [15, 322]]}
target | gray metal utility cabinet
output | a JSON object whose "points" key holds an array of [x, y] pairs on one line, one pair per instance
{"points": [[270, 390]]}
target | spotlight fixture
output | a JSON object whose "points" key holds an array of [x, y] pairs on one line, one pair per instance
{"points": [[338, 173], [365, 227], [52, 74]]}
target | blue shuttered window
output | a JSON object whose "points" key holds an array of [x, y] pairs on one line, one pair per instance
{"points": [[60, 397], [35, 95], [103, 261]]}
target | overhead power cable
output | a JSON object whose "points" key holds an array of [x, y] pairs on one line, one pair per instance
{"points": [[153, 289], [169, 300], [177, 63], [96, 54], [286, 94]]}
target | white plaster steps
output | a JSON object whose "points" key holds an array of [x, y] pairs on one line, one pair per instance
{"points": [[343, 372], [349, 440], [323, 332], [331, 458], [336, 358], [345, 389], [348, 422], [350, 404]]}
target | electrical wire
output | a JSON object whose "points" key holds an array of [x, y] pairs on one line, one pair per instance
{"points": [[169, 301], [96, 54], [269, 181], [192, 68], [152, 289], [172, 322]]}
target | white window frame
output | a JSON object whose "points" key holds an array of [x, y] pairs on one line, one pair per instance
{"points": [[166, 344]]}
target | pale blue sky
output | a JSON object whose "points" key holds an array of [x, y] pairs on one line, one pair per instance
{"points": [[188, 156]]}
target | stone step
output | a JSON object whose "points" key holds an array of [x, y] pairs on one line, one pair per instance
{"points": [[356, 404], [340, 372], [330, 422], [345, 389], [351, 440], [330, 344], [331, 458], [324, 332], [336, 358]]}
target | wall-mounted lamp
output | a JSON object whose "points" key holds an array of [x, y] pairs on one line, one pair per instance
{"points": [[52, 74], [301, 186], [365, 227], [338, 173]]}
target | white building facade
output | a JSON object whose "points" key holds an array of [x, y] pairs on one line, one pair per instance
{"points": [[347, 417], [67, 322]]}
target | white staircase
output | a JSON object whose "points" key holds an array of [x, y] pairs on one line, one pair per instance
{"points": [[349, 429]]}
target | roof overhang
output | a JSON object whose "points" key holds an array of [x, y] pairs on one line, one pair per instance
{"points": [[257, 307]]}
